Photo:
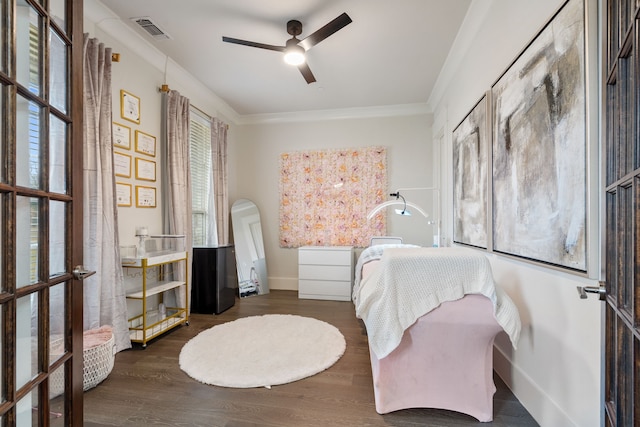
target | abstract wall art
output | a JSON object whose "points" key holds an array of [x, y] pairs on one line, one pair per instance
{"points": [[539, 147], [325, 196], [470, 143]]}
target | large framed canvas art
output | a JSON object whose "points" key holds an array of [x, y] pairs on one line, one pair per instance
{"points": [[470, 141], [539, 147]]}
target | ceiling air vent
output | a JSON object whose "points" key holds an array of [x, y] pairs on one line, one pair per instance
{"points": [[150, 27]]}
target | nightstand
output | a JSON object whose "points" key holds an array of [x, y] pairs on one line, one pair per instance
{"points": [[325, 272]]}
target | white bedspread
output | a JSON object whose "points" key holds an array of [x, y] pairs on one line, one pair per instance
{"points": [[410, 282]]}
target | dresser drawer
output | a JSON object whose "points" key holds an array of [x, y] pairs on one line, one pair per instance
{"points": [[325, 256], [319, 289], [325, 272]]}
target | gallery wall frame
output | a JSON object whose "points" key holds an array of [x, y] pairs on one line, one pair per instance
{"points": [[145, 169], [471, 146], [129, 106], [122, 164], [121, 136], [123, 194], [145, 143], [539, 147], [145, 196]]}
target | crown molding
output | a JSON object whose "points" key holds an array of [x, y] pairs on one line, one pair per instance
{"points": [[337, 114]]}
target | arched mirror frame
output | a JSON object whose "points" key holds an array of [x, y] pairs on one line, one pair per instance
{"points": [[249, 247]]}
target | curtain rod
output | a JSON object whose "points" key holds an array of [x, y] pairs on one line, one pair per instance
{"points": [[201, 112], [205, 114], [115, 57], [165, 88]]}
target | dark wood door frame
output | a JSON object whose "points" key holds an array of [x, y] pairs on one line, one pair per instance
{"points": [[622, 208]]}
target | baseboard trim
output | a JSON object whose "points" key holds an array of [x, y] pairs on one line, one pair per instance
{"points": [[544, 410], [283, 283]]}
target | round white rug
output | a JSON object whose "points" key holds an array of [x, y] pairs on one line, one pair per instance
{"points": [[261, 351]]}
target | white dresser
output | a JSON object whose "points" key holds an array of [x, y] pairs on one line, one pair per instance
{"points": [[325, 272]]}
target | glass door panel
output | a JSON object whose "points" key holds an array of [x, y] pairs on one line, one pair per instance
{"points": [[28, 47], [57, 238], [4, 34], [27, 253], [56, 397], [4, 224], [3, 138], [27, 413], [2, 349], [57, 155], [26, 339], [57, 296], [58, 72], [28, 148], [57, 9]]}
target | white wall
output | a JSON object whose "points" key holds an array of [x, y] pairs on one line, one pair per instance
{"points": [[142, 70], [409, 162], [555, 372]]}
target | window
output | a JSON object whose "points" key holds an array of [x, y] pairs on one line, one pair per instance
{"points": [[202, 197]]}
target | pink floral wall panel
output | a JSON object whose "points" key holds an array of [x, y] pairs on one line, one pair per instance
{"points": [[325, 196]]}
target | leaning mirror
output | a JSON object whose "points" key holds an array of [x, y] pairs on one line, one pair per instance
{"points": [[247, 236]]}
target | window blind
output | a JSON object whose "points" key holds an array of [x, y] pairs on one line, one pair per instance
{"points": [[200, 157]]}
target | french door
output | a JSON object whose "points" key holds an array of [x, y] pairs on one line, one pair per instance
{"points": [[40, 212], [622, 166]]}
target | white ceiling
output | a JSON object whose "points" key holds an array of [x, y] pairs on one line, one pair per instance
{"points": [[390, 55]]}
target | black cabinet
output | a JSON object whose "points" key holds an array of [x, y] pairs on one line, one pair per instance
{"points": [[214, 279]]}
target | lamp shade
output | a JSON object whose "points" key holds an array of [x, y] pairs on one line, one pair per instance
{"points": [[294, 54]]}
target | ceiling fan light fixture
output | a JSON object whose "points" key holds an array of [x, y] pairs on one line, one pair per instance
{"points": [[294, 55], [295, 49]]}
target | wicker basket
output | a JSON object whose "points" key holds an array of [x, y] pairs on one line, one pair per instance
{"points": [[97, 363]]}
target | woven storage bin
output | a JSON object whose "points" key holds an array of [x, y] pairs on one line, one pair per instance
{"points": [[98, 359]]}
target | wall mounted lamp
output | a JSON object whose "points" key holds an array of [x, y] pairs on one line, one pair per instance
{"points": [[402, 202], [404, 211]]}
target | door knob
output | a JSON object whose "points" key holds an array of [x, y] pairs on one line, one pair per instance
{"points": [[600, 290], [79, 272]]}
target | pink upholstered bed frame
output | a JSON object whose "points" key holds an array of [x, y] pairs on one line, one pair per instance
{"points": [[444, 361]]}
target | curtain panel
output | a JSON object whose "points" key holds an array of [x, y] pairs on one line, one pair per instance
{"points": [[104, 293], [219, 131], [176, 183]]}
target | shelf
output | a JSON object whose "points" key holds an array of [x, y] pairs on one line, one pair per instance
{"points": [[137, 334], [156, 288], [154, 258], [141, 275]]}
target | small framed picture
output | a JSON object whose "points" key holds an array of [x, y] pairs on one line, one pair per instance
{"points": [[145, 143], [121, 136], [145, 196], [123, 194], [129, 107], [145, 169], [122, 164]]}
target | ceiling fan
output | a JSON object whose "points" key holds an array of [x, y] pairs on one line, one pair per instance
{"points": [[294, 49]]}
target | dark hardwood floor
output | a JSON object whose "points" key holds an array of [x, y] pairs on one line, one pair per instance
{"points": [[147, 387]]}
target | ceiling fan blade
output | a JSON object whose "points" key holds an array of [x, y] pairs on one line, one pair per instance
{"points": [[324, 32], [306, 73], [253, 44]]}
